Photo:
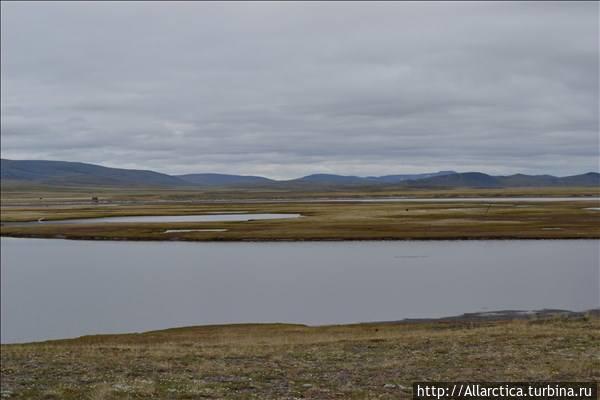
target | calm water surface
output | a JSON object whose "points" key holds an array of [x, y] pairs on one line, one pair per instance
{"points": [[462, 199], [232, 216], [59, 288], [398, 199]]}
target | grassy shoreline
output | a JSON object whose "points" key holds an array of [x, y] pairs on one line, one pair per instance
{"points": [[275, 361]]}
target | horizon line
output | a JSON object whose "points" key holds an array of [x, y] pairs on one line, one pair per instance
{"points": [[450, 172]]}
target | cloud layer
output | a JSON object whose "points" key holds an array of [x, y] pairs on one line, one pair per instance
{"points": [[288, 89]]}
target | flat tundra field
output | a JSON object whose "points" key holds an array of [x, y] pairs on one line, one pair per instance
{"points": [[320, 220]]}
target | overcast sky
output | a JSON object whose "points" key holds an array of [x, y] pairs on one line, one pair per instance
{"points": [[288, 89]]}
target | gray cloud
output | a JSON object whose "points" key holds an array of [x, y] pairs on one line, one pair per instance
{"points": [[287, 89]]}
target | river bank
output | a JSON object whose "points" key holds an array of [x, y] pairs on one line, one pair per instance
{"points": [[274, 361]]}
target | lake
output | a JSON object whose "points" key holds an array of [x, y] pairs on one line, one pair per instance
{"points": [[55, 288], [497, 199], [210, 217]]}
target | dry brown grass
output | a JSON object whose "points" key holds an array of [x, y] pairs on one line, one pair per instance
{"points": [[40, 195], [325, 221], [287, 361]]}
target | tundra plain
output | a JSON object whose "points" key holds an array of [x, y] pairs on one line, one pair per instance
{"points": [[352, 219], [285, 361]]}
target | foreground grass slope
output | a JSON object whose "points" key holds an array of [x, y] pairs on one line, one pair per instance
{"points": [[274, 361]]}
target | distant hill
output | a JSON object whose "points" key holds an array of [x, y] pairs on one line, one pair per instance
{"points": [[588, 179], [391, 179], [333, 180], [528, 180], [225, 180], [64, 173], [481, 180], [327, 179], [465, 179]]}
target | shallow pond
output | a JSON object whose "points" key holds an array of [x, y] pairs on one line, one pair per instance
{"points": [[211, 217], [55, 288]]}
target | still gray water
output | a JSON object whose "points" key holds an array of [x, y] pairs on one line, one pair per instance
{"points": [[497, 199], [59, 288], [211, 217], [457, 199]]}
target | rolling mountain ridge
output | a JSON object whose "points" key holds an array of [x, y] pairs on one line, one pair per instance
{"points": [[64, 173], [76, 173], [211, 179], [481, 180]]}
